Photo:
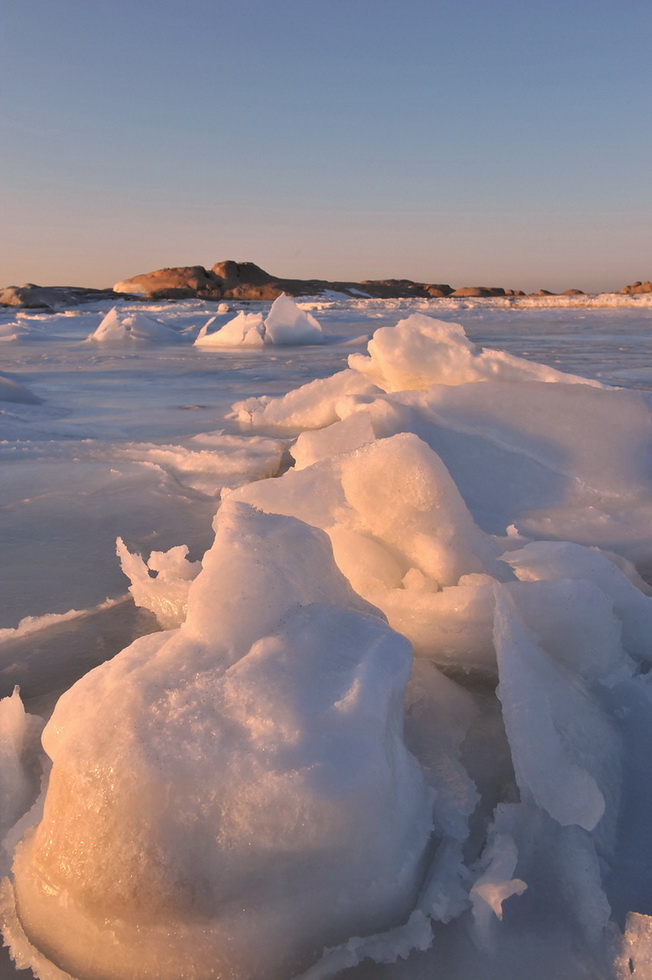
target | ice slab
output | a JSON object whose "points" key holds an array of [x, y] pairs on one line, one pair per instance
{"points": [[285, 323]]}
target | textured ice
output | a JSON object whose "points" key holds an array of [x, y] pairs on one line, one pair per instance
{"points": [[19, 776], [239, 803], [246, 329], [495, 884], [265, 788], [562, 745], [636, 956], [286, 323], [213, 460], [402, 535], [340, 437], [161, 584], [525, 447], [421, 351], [312, 406]]}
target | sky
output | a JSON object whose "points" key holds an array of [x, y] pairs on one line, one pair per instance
{"points": [[469, 142]]}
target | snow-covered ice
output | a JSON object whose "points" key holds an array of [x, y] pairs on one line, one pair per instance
{"points": [[384, 706]]}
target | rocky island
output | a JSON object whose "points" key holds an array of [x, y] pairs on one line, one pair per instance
{"points": [[247, 281]]}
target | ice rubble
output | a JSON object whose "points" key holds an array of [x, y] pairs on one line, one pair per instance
{"points": [[165, 592], [121, 328], [285, 323], [526, 447], [214, 786]]}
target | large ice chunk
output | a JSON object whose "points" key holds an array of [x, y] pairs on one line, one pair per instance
{"points": [[285, 323], [312, 406], [548, 561], [564, 461], [421, 351], [245, 329], [340, 437], [564, 750], [597, 438], [213, 788], [401, 534], [120, 328]]}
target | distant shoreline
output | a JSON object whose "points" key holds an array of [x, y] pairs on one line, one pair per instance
{"points": [[245, 281]]}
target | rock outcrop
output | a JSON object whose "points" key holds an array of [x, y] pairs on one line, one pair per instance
{"points": [[32, 297], [474, 291], [247, 281], [637, 287], [181, 282]]}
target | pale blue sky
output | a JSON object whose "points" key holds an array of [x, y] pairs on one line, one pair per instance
{"points": [[504, 142]]}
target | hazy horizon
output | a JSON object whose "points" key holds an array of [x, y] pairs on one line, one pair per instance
{"points": [[465, 143]]}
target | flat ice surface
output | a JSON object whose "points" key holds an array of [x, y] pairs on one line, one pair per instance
{"points": [[494, 513]]}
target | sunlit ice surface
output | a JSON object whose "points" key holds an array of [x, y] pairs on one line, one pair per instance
{"points": [[363, 687]]}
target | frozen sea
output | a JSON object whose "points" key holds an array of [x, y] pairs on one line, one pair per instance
{"points": [[537, 857]]}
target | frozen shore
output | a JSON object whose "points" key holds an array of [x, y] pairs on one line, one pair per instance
{"points": [[392, 721]]}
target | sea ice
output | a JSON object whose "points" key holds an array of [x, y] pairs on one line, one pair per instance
{"points": [[563, 746], [421, 351], [246, 329], [19, 776], [267, 778], [401, 534], [548, 561], [552, 453], [218, 783], [495, 884], [161, 584], [120, 327], [285, 323], [312, 406], [212, 460], [12, 390]]}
